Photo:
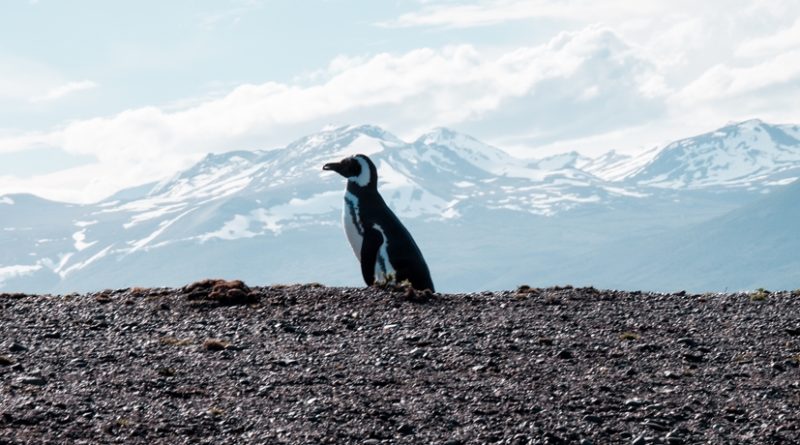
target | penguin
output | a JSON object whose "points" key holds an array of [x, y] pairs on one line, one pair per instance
{"points": [[383, 246]]}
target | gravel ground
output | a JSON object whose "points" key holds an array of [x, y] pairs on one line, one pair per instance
{"points": [[221, 363]]}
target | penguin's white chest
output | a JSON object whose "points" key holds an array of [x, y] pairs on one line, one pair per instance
{"points": [[352, 224], [354, 229]]}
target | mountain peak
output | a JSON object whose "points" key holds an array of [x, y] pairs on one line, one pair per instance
{"points": [[443, 136], [741, 154], [748, 123], [366, 129]]}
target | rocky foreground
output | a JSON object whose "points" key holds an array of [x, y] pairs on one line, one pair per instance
{"points": [[221, 363]]}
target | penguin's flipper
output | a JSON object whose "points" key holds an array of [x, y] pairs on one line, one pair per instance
{"points": [[369, 254]]}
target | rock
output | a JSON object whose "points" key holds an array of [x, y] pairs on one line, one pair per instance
{"points": [[405, 429], [674, 438], [693, 358], [635, 403], [687, 341], [564, 354], [17, 347], [655, 425], [31, 380], [592, 418], [672, 374]]}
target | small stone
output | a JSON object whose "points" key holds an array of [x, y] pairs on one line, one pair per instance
{"points": [[592, 418], [693, 358], [31, 380], [793, 331], [16, 347], [564, 354], [5, 361], [78, 363], [405, 429], [687, 341], [635, 403], [655, 425], [215, 344], [674, 438]]}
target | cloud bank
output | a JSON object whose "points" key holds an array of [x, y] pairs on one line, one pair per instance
{"points": [[649, 71]]}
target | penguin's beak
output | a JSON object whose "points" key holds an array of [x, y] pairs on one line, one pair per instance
{"points": [[335, 166]]}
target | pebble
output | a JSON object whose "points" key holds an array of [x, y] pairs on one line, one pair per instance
{"points": [[635, 403], [17, 347], [31, 380], [479, 372], [564, 354], [592, 418], [405, 429]]}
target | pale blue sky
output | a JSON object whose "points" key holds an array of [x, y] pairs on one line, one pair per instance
{"points": [[156, 53], [99, 95]]}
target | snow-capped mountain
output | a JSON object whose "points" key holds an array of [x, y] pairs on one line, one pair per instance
{"points": [[747, 154], [273, 215], [613, 166]]}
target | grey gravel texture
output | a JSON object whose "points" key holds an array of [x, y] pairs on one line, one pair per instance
{"points": [[223, 363]]}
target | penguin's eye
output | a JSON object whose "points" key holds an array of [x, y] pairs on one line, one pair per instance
{"points": [[353, 168]]}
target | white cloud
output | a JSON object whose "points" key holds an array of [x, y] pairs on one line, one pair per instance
{"points": [[624, 75], [407, 93], [722, 81], [785, 39], [482, 14], [64, 90], [493, 12]]}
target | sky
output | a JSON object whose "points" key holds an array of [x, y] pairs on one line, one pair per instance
{"points": [[96, 96]]}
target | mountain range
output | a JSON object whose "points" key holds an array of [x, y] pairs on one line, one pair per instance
{"points": [[710, 212]]}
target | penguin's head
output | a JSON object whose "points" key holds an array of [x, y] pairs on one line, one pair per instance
{"points": [[358, 170]]}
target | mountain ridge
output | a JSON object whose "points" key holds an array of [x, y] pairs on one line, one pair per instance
{"points": [[451, 188]]}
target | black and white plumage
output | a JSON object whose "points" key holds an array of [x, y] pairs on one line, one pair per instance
{"points": [[382, 244]]}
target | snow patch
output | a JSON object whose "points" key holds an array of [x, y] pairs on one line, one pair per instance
{"points": [[362, 144], [83, 264], [8, 272], [80, 240], [236, 228], [164, 225]]}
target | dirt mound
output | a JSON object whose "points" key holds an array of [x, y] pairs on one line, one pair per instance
{"points": [[222, 292]]}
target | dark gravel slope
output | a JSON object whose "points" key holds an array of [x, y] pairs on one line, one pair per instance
{"points": [[308, 364]]}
